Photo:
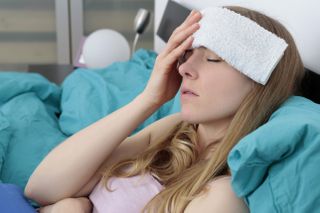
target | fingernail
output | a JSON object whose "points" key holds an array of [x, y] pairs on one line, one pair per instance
{"points": [[198, 12]]}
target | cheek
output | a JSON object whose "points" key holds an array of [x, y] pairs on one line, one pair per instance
{"points": [[220, 97], [223, 97]]}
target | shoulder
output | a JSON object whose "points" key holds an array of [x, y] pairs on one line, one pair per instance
{"points": [[219, 197]]}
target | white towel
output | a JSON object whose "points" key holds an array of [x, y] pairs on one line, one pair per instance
{"points": [[241, 42]]}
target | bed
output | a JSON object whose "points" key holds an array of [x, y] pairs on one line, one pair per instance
{"points": [[58, 111]]}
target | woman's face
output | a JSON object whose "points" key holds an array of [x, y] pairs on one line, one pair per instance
{"points": [[211, 89]]}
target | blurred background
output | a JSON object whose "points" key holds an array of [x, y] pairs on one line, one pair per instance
{"points": [[40, 32]]}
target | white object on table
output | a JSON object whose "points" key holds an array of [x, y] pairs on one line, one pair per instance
{"points": [[104, 47]]}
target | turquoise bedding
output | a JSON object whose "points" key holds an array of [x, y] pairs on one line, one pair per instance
{"points": [[276, 167], [36, 115]]}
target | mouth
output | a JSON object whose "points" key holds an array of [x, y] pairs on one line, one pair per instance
{"points": [[185, 91]]}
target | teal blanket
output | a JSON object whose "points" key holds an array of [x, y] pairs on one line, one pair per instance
{"points": [[36, 115], [275, 168]]}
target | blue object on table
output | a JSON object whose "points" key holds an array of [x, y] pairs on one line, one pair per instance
{"points": [[13, 201]]}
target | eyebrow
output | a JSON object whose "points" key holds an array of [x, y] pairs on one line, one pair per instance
{"points": [[206, 49]]}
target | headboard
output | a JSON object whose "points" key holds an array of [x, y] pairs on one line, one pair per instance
{"points": [[301, 18]]}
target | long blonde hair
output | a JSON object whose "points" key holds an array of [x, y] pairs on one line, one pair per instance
{"points": [[176, 161]]}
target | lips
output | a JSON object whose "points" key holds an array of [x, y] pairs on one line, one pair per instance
{"points": [[185, 91]]}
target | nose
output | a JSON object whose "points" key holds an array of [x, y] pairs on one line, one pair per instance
{"points": [[188, 70]]}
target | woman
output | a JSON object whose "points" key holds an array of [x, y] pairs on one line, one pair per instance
{"points": [[183, 157]]}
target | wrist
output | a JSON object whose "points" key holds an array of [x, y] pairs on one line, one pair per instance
{"points": [[149, 101]]}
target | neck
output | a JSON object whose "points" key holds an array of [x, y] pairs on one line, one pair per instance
{"points": [[210, 133]]}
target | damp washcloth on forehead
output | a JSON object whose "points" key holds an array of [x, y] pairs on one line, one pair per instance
{"points": [[241, 42]]}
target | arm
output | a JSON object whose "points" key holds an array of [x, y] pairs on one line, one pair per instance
{"points": [[72, 164], [70, 205], [219, 198]]}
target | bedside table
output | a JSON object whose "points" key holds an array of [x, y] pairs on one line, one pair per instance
{"points": [[55, 73]]}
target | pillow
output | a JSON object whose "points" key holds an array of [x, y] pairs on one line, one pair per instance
{"points": [[12, 199], [275, 168], [5, 134]]}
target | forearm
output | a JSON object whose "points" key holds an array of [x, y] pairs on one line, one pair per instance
{"points": [[71, 164], [70, 205]]}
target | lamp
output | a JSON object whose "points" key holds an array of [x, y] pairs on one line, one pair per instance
{"points": [[141, 22], [103, 47]]}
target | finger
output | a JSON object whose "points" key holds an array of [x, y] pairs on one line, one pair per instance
{"points": [[169, 46], [176, 53], [190, 14], [180, 37], [195, 17], [186, 20]]}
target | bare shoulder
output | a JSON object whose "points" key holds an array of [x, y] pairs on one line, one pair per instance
{"points": [[219, 197]]}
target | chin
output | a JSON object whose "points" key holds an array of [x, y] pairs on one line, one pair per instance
{"points": [[189, 116], [200, 117]]}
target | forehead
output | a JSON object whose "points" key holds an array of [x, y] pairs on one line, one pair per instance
{"points": [[203, 49]]}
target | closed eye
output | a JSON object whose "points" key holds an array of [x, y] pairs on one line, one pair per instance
{"points": [[214, 60]]}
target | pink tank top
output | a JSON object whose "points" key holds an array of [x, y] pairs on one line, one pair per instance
{"points": [[129, 195]]}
